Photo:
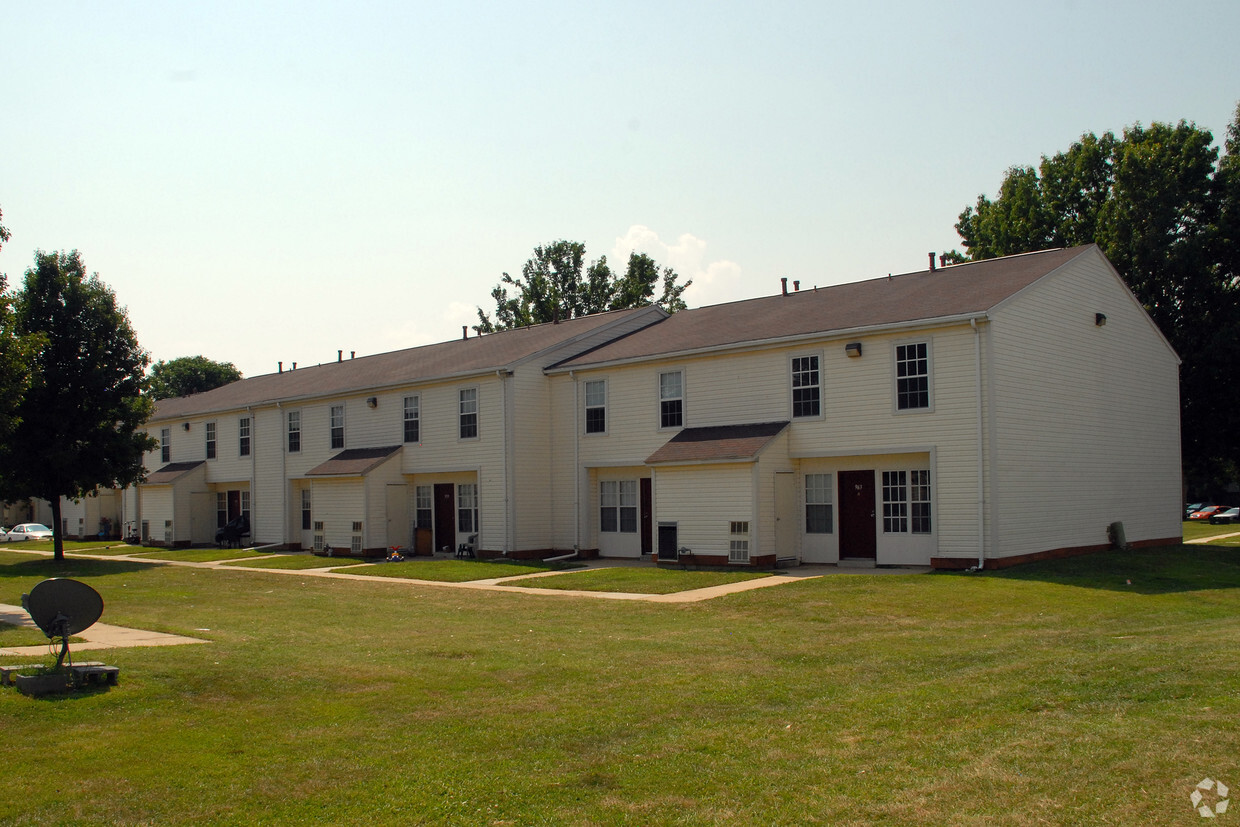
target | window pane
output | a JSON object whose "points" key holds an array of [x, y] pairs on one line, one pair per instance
{"points": [[819, 512], [806, 389]]}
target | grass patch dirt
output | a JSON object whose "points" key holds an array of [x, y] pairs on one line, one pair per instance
{"points": [[636, 580], [1049, 694]]}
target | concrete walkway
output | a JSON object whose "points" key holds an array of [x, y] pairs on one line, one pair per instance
{"points": [[98, 636], [509, 584]]}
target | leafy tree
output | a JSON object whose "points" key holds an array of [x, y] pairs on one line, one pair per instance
{"points": [[80, 419], [189, 374], [15, 352], [1163, 207], [556, 285]]}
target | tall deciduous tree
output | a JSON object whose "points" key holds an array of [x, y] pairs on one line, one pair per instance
{"points": [[1163, 207], [14, 357], [81, 416], [189, 374], [556, 285]]}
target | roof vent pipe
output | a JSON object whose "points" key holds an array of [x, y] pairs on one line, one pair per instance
{"points": [[464, 331], [352, 354], [796, 286], [340, 356], [294, 366], [281, 364], [942, 259], [932, 261], [784, 284]]}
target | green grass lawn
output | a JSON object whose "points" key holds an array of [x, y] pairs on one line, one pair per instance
{"points": [[1202, 529], [1050, 694], [86, 546], [297, 561], [455, 571], [636, 580]]}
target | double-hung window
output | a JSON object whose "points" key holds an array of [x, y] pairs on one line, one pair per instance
{"points": [[672, 399], [294, 431], [243, 436], [912, 376], [819, 515], [738, 541], [906, 502], [413, 419], [467, 508], [424, 504], [468, 401], [221, 509], [596, 406], [337, 426], [165, 445], [618, 506], [806, 387], [210, 440], [306, 509]]}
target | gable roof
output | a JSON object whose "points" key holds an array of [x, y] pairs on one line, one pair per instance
{"points": [[958, 290], [353, 462], [477, 354], [717, 443]]}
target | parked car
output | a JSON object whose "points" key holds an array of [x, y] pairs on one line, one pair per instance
{"points": [[1193, 508], [1231, 515], [28, 531], [1205, 512], [232, 533]]}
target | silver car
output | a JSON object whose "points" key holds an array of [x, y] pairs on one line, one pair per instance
{"points": [[28, 531]]}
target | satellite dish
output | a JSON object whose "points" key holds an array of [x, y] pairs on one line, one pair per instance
{"points": [[63, 607]]}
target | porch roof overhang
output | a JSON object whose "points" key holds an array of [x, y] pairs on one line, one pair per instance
{"points": [[717, 443], [355, 462], [171, 472]]}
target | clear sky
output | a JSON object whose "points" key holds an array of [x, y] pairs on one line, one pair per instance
{"points": [[262, 181]]}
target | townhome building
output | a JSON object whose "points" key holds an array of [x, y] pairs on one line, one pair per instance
{"points": [[977, 414]]}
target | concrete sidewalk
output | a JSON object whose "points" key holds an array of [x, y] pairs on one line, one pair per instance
{"points": [[98, 636]]}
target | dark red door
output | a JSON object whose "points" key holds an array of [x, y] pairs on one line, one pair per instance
{"points": [[445, 516], [858, 536], [647, 516], [234, 504]]}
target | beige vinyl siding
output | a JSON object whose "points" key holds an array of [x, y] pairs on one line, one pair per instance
{"points": [[338, 504], [564, 477], [1087, 417], [530, 449], [702, 500], [614, 543], [271, 502], [376, 528], [157, 507]]}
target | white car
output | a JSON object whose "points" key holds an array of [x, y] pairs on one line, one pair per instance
{"points": [[28, 531]]}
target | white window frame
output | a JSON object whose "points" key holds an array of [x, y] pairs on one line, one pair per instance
{"points": [[898, 364], [895, 502], [412, 417], [467, 412], [335, 427], [618, 506], [307, 510], [671, 395], [908, 502], [424, 506], [165, 445], [921, 497], [593, 403], [292, 429], [467, 508], [738, 542], [243, 436], [794, 375], [211, 440], [820, 494]]}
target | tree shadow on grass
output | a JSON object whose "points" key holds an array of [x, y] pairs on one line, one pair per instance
{"points": [[1158, 570], [75, 567]]}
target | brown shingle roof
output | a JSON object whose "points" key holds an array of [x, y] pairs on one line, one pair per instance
{"points": [[957, 290], [461, 356], [353, 462], [171, 472], [717, 443]]}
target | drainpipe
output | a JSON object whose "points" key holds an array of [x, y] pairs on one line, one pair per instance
{"points": [[981, 501], [576, 463]]}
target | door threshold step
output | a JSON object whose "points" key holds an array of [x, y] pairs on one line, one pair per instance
{"points": [[858, 562]]}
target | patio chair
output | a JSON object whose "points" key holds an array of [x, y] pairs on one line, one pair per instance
{"points": [[469, 548]]}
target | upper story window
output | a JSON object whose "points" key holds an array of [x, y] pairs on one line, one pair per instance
{"points": [[806, 387], [210, 440], [912, 376], [294, 431], [469, 413], [165, 445], [596, 406], [337, 426], [413, 419], [818, 506], [243, 436], [672, 399]]}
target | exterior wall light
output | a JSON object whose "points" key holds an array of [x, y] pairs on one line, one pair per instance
{"points": [[853, 348], [185, 425], [1100, 319], [372, 402]]}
